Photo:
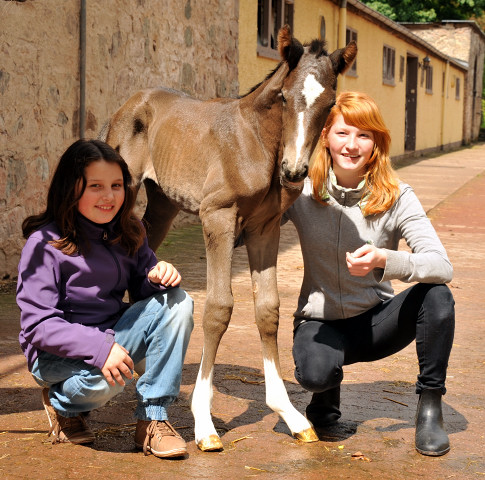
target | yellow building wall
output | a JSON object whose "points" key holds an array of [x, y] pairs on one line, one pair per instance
{"points": [[453, 108], [391, 99], [307, 20], [431, 131], [306, 27], [439, 117], [252, 69]]}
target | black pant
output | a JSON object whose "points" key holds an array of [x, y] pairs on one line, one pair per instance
{"points": [[424, 312]]}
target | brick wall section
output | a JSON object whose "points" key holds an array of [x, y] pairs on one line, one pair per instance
{"points": [[190, 45]]}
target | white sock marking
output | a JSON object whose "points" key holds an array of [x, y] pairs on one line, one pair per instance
{"points": [[201, 406], [277, 399]]}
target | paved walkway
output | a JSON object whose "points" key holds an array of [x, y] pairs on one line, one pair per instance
{"points": [[439, 177], [378, 400]]}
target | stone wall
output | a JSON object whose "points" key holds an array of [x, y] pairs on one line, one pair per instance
{"points": [[190, 45]]}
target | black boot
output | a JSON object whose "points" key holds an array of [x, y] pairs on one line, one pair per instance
{"points": [[430, 439], [323, 410]]}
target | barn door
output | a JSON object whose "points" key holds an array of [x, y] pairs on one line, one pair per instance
{"points": [[411, 102]]}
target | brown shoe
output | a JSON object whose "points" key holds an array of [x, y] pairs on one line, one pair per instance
{"points": [[160, 438], [63, 429]]}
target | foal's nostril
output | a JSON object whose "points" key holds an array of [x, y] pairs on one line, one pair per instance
{"points": [[296, 175]]}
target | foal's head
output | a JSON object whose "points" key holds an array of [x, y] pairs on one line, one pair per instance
{"points": [[307, 95]]}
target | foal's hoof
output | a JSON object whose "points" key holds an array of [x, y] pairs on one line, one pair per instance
{"points": [[211, 443], [307, 435]]}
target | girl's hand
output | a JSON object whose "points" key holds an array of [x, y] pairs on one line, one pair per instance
{"points": [[165, 274], [365, 259], [117, 363]]}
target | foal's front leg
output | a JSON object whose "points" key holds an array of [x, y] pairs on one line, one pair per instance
{"points": [[262, 253], [219, 237]]}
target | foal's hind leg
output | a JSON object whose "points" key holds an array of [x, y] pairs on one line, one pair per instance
{"points": [[159, 214], [262, 253], [219, 229]]}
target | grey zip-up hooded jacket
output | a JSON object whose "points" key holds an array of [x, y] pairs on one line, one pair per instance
{"points": [[328, 231]]}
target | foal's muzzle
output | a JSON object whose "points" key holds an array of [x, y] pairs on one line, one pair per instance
{"points": [[293, 177]]}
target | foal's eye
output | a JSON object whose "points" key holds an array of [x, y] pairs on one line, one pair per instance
{"points": [[283, 99]]}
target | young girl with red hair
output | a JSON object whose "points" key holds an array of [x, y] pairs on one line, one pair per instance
{"points": [[350, 218]]}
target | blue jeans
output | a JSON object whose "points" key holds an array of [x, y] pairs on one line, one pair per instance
{"points": [[156, 330]]}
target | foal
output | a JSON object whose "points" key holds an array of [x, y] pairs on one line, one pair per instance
{"points": [[238, 164]]}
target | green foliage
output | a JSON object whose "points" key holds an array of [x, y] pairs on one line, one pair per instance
{"points": [[483, 115], [428, 10], [383, 8]]}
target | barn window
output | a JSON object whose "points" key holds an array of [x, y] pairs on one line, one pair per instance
{"points": [[351, 34], [323, 28], [388, 65], [272, 15], [429, 79], [457, 89]]}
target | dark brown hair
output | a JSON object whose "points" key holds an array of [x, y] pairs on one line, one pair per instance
{"points": [[64, 194]]}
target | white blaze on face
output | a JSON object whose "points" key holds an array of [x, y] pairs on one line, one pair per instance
{"points": [[300, 139], [312, 89]]}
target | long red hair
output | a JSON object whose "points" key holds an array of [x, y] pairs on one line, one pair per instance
{"points": [[381, 182]]}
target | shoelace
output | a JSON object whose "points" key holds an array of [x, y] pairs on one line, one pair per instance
{"points": [[66, 424], [158, 429]]}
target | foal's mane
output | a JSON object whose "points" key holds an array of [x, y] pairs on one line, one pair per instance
{"points": [[318, 48], [315, 47]]}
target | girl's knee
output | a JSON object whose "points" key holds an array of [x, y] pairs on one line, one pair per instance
{"points": [[318, 354], [440, 304], [86, 393], [181, 308], [315, 379], [318, 371], [178, 299], [185, 310], [187, 306]]}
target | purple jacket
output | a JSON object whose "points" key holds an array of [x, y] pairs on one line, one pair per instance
{"points": [[69, 304]]}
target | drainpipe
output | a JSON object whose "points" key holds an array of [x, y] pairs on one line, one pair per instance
{"points": [[342, 37], [443, 103], [82, 69], [342, 24]]}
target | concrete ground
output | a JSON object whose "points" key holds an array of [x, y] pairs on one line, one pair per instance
{"points": [[375, 439]]}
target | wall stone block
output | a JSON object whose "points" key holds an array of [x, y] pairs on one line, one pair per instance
{"points": [[187, 45]]}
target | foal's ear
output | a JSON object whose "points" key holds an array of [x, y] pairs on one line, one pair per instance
{"points": [[343, 58], [289, 47]]}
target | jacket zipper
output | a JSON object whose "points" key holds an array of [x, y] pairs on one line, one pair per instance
{"points": [[338, 257], [115, 259]]}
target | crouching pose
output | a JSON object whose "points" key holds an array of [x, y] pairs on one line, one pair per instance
{"points": [[80, 338], [350, 217]]}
